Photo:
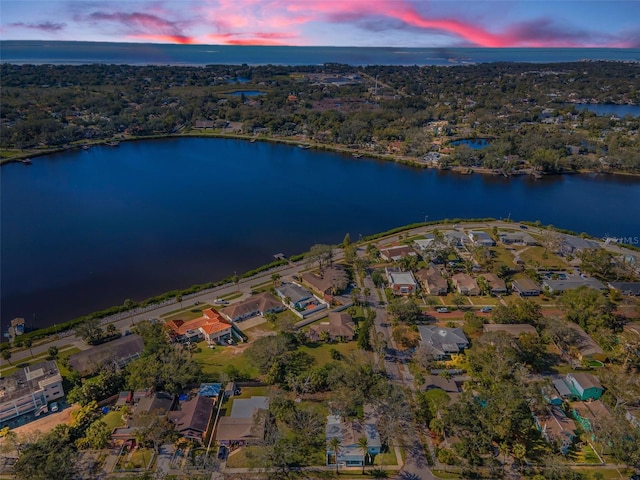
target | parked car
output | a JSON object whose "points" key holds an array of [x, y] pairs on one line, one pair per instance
{"points": [[486, 309], [54, 407], [222, 452], [442, 310]]}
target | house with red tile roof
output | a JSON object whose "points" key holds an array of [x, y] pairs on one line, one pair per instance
{"points": [[212, 326]]}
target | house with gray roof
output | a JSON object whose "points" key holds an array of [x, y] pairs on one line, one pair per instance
{"points": [[349, 453], [456, 238], [442, 383], [298, 296], [517, 238], [443, 341], [570, 244], [627, 288], [571, 282], [481, 239], [118, 352], [525, 287]]}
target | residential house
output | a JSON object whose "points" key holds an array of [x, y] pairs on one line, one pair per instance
{"points": [[442, 383], [515, 330], [586, 346], [481, 239], [563, 389], [584, 385], [571, 282], [432, 281], [259, 304], [29, 390], [402, 283], [212, 327], [340, 327], [349, 453], [246, 423], [397, 253], [297, 296], [465, 284], [525, 287], [633, 416], [117, 352], [328, 281], [203, 124], [556, 428], [589, 414], [157, 403], [497, 286], [443, 341], [455, 238], [426, 243], [192, 420], [517, 238], [627, 288], [570, 244]]}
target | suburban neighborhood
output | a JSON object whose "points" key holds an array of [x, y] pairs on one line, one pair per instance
{"points": [[479, 349]]}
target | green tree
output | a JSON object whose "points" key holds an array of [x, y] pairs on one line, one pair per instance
{"points": [[363, 443], [97, 436], [405, 310], [275, 279], [335, 444], [52, 456], [89, 330], [28, 343], [6, 355]]}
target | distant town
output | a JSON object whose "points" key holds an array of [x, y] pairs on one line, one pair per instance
{"points": [[503, 119], [476, 349]]}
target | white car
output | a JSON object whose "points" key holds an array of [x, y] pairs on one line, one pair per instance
{"points": [[54, 407], [442, 310]]}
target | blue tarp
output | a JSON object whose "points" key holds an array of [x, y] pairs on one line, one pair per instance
{"points": [[183, 397], [210, 389], [105, 410]]}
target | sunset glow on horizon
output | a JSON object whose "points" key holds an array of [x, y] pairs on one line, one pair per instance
{"points": [[377, 23]]}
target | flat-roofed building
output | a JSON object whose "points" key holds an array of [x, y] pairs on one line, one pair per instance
{"points": [[29, 390], [402, 283]]}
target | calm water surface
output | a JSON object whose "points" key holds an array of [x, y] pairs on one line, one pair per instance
{"points": [[85, 230], [610, 109]]}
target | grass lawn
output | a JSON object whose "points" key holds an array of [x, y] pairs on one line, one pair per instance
{"points": [[214, 361], [535, 257], [322, 351], [240, 459], [607, 473], [62, 354], [113, 419], [231, 296], [385, 459], [189, 313], [483, 301], [141, 458]]}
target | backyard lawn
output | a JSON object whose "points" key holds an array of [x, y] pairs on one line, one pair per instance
{"points": [[322, 351], [214, 361], [113, 419]]}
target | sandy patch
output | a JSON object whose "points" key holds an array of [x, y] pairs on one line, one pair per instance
{"points": [[48, 422]]}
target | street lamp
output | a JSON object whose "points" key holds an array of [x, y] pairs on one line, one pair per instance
{"points": [[425, 218]]}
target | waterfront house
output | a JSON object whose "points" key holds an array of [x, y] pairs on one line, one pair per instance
{"points": [[349, 432], [432, 281], [26, 393], [259, 304], [584, 385], [570, 244], [118, 352], [481, 239], [465, 284], [401, 283], [329, 281], [397, 253], [525, 287], [443, 341], [455, 238], [517, 238], [212, 327], [340, 327], [296, 295]]}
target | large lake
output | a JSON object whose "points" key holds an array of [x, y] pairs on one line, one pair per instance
{"points": [[84, 230]]}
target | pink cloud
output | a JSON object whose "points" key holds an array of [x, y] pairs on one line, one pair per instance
{"points": [[144, 25]]}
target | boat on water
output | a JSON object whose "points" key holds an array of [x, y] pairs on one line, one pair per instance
{"points": [[26, 161], [86, 147], [304, 147], [112, 144], [357, 155]]}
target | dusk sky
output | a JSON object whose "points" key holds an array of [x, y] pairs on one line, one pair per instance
{"points": [[399, 23]]}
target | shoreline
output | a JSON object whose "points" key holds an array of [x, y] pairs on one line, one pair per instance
{"points": [[403, 160]]}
